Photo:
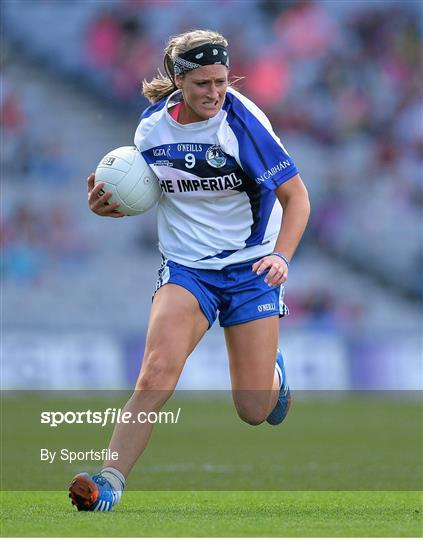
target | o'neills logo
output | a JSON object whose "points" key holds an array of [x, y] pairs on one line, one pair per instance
{"points": [[271, 172], [215, 156], [266, 307]]}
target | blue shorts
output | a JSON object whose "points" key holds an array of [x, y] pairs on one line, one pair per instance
{"points": [[238, 293]]}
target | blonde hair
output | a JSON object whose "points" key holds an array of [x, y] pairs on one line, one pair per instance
{"points": [[163, 85]]}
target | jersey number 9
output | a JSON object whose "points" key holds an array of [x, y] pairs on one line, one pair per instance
{"points": [[189, 161]]}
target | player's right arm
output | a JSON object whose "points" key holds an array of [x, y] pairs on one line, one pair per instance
{"points": [[98, 199]]}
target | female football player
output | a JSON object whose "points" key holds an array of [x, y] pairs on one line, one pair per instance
{"points": [[232, 213]]}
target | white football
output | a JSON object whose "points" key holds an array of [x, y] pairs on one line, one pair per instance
{"points": [[130, 179]]}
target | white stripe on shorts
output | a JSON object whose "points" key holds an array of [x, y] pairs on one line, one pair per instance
{"points": [[283, 308], [164, 274]]}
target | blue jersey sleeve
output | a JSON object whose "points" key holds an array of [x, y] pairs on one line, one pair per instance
{"points": [[154, 107], [261, 154]]}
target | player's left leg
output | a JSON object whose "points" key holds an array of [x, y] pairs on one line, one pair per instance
{"points": [[258, 379]]}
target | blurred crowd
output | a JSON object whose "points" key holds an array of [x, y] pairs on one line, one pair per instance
{"points": [[37, 237], [346, 80], [339, 81], [35, 243]]}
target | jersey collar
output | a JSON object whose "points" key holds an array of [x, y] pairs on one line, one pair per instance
{"points": [[174, 98]]}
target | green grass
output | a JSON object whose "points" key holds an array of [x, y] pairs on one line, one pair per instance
{"points": [[348, 465], [355, 443], [228, 513]]}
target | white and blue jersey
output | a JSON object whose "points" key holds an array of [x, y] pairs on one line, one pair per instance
{"points": [[218, 179]]}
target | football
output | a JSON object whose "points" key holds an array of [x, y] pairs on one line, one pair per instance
{"points": [[130, 179]]}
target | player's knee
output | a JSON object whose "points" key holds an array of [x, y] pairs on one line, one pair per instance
{"points": [[154, 386], [157, 376]]}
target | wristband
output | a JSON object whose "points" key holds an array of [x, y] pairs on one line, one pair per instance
{"points": [[282, 256]]}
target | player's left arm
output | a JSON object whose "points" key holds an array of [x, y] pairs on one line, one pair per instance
{"points": [[293, 197]]}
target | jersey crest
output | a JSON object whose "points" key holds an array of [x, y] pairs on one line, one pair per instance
{"points": [[215, 157]]}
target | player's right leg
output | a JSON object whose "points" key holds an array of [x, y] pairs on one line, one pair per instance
{"points": [[176, 325]]}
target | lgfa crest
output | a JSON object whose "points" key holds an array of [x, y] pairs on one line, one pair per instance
{"points": [[215, 156]]}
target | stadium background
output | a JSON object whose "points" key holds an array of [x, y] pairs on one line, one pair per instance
{"points": [[339, 81]]}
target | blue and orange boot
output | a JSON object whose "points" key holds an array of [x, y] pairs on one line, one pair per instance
{"points": [[278, 415], [95, 493]]}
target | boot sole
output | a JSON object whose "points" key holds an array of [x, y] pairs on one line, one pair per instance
{"points": [[83, 492]]}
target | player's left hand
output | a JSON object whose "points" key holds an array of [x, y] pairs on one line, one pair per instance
{"points": [[278, 270]]}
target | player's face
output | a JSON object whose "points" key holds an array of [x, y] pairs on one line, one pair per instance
{"points": [[204, 91]]}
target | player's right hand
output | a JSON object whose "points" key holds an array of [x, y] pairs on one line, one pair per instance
{"points": [[98, 199]]}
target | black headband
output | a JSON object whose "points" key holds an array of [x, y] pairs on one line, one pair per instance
{"points": [[204, 55]]}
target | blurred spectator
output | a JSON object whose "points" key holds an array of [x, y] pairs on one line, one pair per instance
{"points": [[21, 242], [12, 117], [103, 40], [33, 242], [49, 163], [305, 30], [268, 80], [136, 60], [12, 124]]}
